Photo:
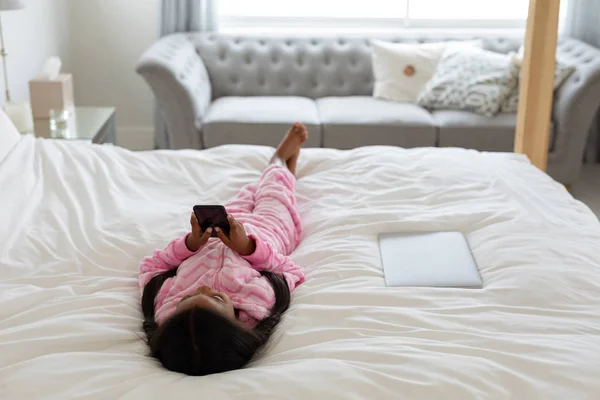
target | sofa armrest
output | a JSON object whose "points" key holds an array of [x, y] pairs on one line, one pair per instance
{"points": [[576, 103], [181, 85]]}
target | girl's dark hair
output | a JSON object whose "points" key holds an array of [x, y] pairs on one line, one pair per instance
{"points": [[201, 342]]}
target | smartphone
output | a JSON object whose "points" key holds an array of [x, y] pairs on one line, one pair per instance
{"points": [[212, 216]]}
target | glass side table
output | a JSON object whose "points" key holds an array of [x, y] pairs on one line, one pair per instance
{"points": [[91, 124]]}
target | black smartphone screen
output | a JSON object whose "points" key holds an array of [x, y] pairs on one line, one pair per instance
{"points": [[212, 216]]}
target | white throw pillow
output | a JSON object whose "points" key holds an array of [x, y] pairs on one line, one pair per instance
{"points": [[401, 70], [9, 136]]}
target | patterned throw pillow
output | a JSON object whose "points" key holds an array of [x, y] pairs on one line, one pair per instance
{"points": [[561, 73], [470, 79]]}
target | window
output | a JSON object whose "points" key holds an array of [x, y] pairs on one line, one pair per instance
{"points": [[338, 15], [505, 10]]}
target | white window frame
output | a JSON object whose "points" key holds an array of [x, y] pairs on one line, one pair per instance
{"points": [[292, 24], [243, 24]]}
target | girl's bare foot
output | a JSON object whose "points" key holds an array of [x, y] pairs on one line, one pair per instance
{"points": [[289, 149], [292, 161], [292, 141]]}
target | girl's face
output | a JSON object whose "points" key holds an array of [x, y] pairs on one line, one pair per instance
{"points": [[205, 297]]}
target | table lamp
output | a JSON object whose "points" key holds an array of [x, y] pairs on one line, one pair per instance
{"points": [[19, 113], [6, 5]]}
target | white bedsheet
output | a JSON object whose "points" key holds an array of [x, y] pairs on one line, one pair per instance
{"points": [[75, 220]]}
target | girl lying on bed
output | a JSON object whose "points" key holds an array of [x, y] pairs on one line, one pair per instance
{"points": [[210, 305]]}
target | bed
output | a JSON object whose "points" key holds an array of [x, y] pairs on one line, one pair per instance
{"points": [[76, 219]]}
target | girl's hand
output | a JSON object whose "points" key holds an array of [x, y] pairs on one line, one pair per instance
{"points": [[237, 241], [197, 238]]}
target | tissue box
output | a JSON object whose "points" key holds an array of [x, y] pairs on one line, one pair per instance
{"points": [[49, 94]]}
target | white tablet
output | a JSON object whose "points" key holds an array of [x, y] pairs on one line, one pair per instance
{"points": [[436, 259]]}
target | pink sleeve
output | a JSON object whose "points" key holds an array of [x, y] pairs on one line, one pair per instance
{"points": [[163, 260], [265, 258]]}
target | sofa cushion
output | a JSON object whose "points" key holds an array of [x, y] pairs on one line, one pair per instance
{"points": [[259, 120], [355, 121], [473, 131]]}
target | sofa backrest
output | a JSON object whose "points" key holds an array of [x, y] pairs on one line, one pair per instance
{"points": [[304, 66]]}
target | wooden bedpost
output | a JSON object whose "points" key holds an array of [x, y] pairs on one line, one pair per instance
{"points": [[537, 82]]}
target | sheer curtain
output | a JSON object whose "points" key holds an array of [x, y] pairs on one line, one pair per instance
{"points": [[582, 23], [182, 16], [188, 16]]}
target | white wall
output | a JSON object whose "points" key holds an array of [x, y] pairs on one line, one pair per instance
{"points": [[99, 42], [107, 39], [31, 36]]}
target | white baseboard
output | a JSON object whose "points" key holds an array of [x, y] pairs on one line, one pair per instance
{"points": [[135, 137]]}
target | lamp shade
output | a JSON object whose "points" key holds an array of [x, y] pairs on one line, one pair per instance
{"points": [[6, 5]]}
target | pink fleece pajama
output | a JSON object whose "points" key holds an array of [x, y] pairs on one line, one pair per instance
{"points": [[268, 211]]}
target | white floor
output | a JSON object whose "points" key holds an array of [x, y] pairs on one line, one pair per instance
{"points": [[587, 189]]}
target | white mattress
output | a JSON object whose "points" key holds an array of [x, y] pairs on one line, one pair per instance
{"points": [[75, 220]]}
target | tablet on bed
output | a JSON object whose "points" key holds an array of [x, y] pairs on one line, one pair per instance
{"points": [[438, 259]]}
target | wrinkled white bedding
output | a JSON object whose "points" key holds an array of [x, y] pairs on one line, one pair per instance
{"points": [[75, 220]]}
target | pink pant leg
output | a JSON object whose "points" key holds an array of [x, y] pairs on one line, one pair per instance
{"points": [[275, 216], [243, 203]]}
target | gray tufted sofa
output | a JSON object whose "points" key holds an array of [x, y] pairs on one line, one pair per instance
{"points": [[216, 89]]}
